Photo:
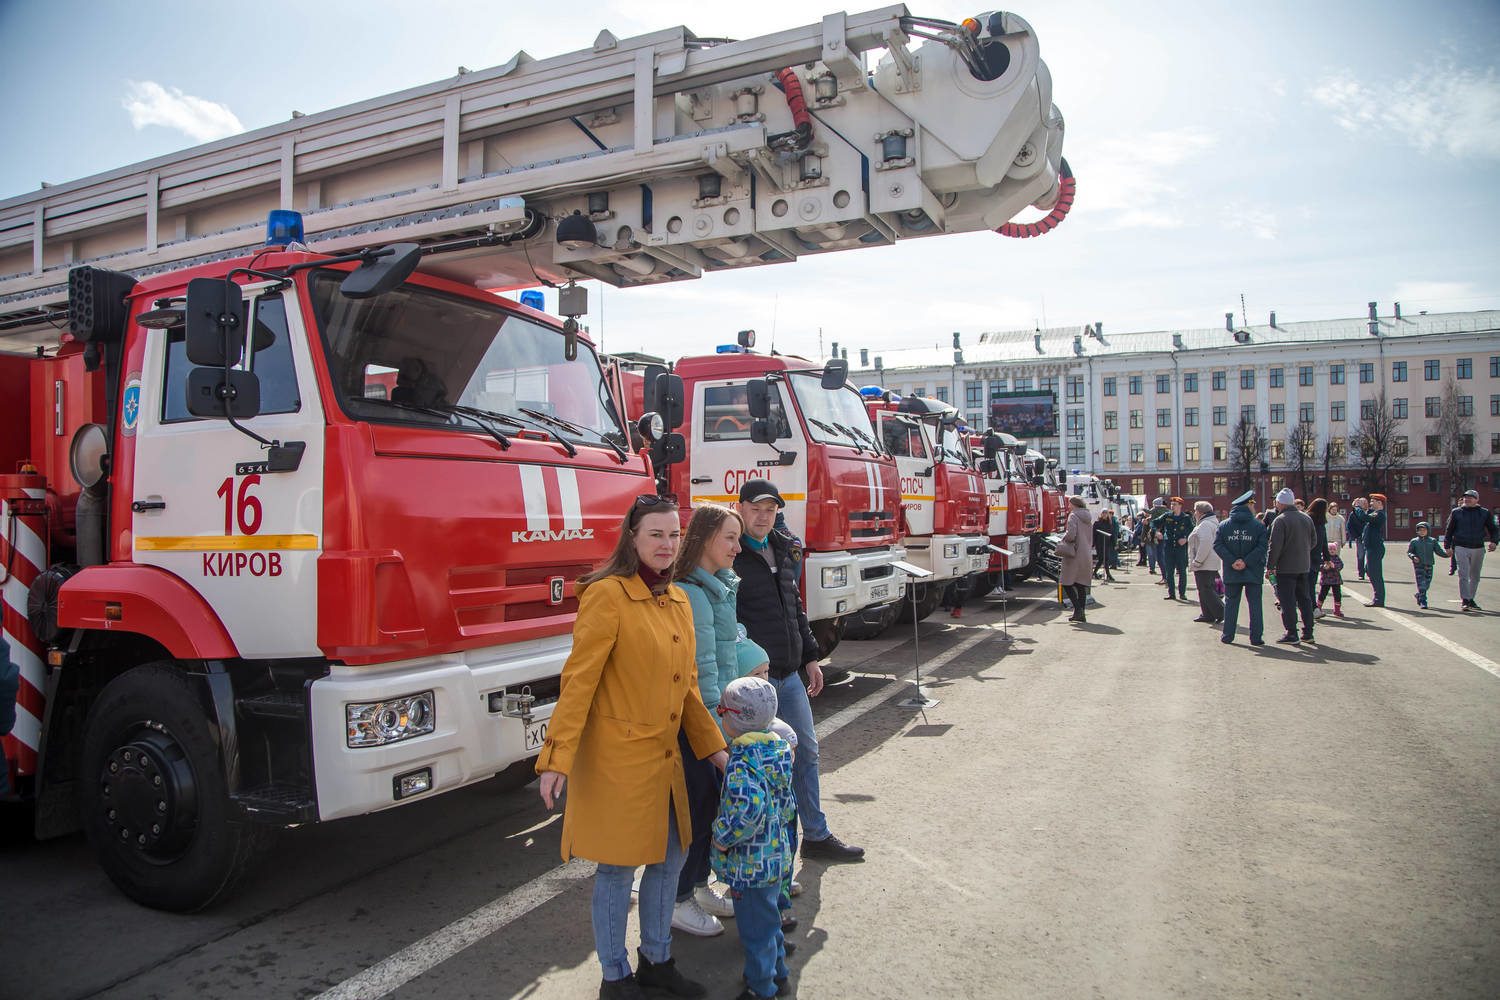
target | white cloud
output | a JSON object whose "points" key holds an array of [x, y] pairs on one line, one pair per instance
{"points": [[1132, 181], [1440, 106], [149, 103]]}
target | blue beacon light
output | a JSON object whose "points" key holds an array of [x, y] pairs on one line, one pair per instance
{"points": [[729, 349], [532, 299], [283, 226]]}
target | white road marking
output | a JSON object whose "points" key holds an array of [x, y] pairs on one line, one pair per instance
{"points": [[1462, 652], [390, 974]]}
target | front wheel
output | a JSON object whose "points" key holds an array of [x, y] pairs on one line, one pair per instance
{"points": [[153, 798], [828, 632]]}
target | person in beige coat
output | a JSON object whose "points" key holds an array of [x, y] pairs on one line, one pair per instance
{"points": [[1075, 550], [630, 683], [1204, 563]]}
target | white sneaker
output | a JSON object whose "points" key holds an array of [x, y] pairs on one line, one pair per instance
{"points": [[1318, 613], [690, 918], [712, 902], [796, 888]]}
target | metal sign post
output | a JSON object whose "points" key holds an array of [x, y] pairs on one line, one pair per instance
{"points": [[1004, 595], [914, 573]]}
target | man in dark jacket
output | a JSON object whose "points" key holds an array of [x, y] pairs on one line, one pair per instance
{"points": [[770, 608], [1373, 533], [1174, 527], [1290, 558], [1470, 528], [1242, 545]]}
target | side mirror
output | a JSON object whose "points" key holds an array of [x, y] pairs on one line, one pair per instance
{"points": [[382, 271], [760, 431], [950, 420], [669, 450], [991, 445], [835, 373], [215, 323], [989, 467], [758, 397], [1038, 480], [208, 388], [669, 399]]}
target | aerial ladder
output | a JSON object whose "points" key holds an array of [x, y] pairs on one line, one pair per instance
{"points": [[637, 161]]}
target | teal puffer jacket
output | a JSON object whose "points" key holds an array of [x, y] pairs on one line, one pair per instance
{"points": [[713, 598]]}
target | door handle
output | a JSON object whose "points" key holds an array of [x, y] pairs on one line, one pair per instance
{"points": [[141, 506], [702, 479]]}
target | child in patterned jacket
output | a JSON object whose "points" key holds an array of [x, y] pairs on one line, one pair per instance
{"points": [[751, 846]]}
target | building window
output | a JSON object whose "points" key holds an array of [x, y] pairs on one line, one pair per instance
{"points": [[1111, 419], [1432, 370], [1023, 385], [1221, 485], [1367, 409], [1367, 371], [1336, 411], [1276, 379], [1495, 406], [1247, 413], [920, 390], [1495, 366], [1434, 444], [1398, 371], [1434, 406], [1434, 483], [1164, 453], [1336, 449], [974, 395], [1401, 517], [1075, 388], [1221, 416], [1465, 367], [1111, 454], [1465, 406], [1050, 450], [1075, 453], [1190, 417], [1278, 449], [1163, 384], [997, 386], [1164, 418], [1190, 451], [1495, 444], [976, 419], [1137, 453], [942, 393], [1137, 485], [1247, 378], [1137, 418], [1305, 412], [1135, 385], [1109, 385], [1304, 375], [1221, 451], [1278, 413], [1190, 382], [1048, 385], [1398, 407], [1466, 444], [1218, 381], [1340, 484], [1164, 486], [1400, 448], [1075, 421], [1335, 374]]}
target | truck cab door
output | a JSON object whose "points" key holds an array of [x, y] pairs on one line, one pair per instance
{"points": [[722, 457], [907, 442], [204, 507]]}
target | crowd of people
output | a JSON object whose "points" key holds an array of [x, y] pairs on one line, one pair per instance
{"points": [[1296, 547], [684, 736]]}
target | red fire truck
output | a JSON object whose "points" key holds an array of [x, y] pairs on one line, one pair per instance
{"points": [[1014, 505]]}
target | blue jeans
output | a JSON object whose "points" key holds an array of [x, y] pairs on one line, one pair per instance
{"points": [[795, 710], [611, 907], [1232, 592], [758, 920]]}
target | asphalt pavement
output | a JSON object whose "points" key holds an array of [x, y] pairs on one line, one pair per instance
{"points": [[1121, 809]]}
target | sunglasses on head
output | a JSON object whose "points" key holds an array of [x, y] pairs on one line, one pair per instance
{"points": [[656, 499]]}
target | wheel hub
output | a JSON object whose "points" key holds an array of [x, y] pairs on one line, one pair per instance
{"points": [[148, 795]]}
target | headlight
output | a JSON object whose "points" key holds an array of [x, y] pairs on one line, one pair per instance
{"points": [[835, 576], [951, 551], [376, 723]]}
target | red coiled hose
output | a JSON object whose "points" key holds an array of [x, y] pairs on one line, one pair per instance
{"points": [[792, 87], [1026, 230]]}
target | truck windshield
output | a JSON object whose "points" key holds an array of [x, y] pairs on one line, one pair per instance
{"points": [[419, 356], [834, 416]]}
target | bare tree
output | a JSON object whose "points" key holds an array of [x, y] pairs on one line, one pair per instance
{"points": [[1454, 429], [1328, 455], [1248, 447], [1301, 451], [1376, 443]]}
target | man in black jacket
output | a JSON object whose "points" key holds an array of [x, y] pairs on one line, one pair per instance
{"points": [[1470, 529], [770, 608]]}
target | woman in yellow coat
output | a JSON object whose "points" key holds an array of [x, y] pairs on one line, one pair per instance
{"points": [[629, 685]]}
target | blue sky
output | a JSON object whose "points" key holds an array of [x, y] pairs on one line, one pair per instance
{"points": [[1310, 156]]}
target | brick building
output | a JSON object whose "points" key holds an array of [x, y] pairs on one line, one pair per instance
{"points": [[1157, 411]]}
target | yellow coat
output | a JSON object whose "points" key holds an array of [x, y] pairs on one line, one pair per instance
{"points": [[630, 683]]}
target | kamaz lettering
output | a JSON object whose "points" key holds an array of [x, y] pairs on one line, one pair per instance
{"points": [[548, 535]]}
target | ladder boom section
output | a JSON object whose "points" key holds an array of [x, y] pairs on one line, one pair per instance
{"points": [[677, 155]]}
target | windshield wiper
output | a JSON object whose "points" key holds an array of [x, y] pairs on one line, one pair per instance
{"points": [[849, 432], [431, 411], [836, 429], [874, 444], [568, 425], [481, 417], [567, 445]]}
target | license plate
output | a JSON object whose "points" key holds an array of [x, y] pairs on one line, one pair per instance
{"points": [[536, 736], [876, 593]]}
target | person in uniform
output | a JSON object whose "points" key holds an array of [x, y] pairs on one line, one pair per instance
{"points": [[1175, 527], [1242, 543]]}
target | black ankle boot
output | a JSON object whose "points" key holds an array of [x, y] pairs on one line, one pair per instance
{"points": [[621, 989], [664, 976]]}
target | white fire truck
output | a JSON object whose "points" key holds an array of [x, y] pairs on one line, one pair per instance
{"points": [[288, 532]]}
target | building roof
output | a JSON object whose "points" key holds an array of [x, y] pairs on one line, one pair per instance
{"points": [[1068, 343]]}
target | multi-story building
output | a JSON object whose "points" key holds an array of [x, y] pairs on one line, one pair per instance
{"points": [[1158, 412]]}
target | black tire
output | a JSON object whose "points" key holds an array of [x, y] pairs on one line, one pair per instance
{"points": [[828, 632], [929, 596], [153, 798], [871, 624]]}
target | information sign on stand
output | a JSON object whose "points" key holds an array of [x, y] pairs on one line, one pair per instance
{"points": [[919, 698]]}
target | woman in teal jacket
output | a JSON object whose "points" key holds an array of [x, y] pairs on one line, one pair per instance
{"points": [[705, 573]]}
